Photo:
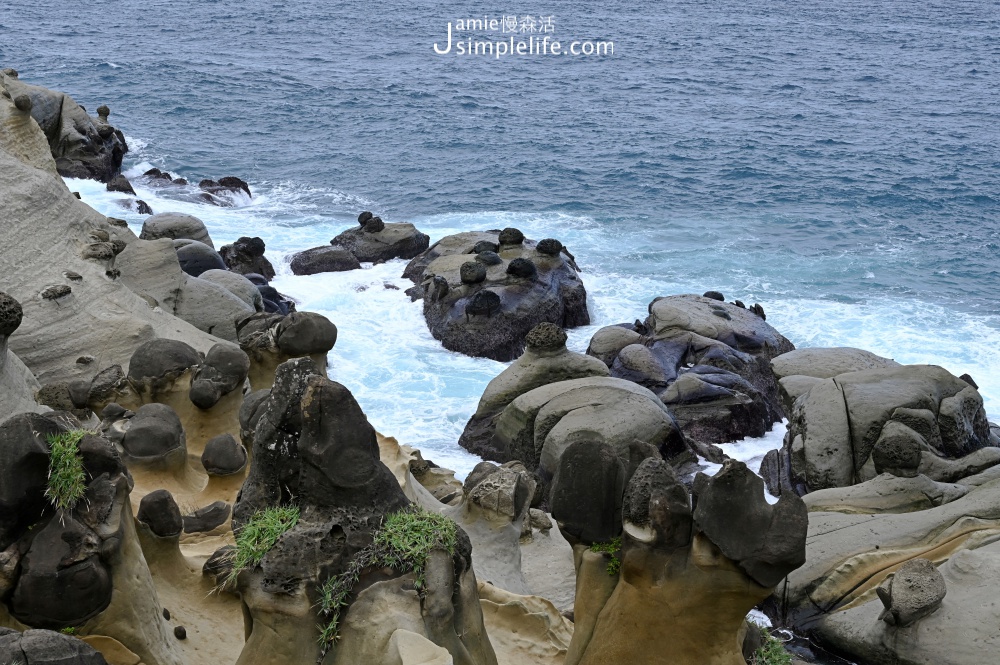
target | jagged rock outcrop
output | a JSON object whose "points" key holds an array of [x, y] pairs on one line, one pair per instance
{"points": [[545, 360], [706, 359], [848, 428], [375, 241], [484, 308], [81, 145], [313, 448], [246, 257], [691, 566], [493, 511]]}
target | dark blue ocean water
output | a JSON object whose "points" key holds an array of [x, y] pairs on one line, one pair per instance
{"points": [[838, 161]]}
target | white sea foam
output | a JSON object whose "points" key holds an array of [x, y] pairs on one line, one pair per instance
{"points": [[413, 389]]}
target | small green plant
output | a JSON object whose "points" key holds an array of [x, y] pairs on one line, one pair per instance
{"points": [[612, 549], [772, 652], [402, 543], [68, 630], [67, 480], [256, 538]]}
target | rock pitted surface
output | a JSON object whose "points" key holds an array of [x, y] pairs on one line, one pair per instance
{"points": [[313, 448], [491, 315]]}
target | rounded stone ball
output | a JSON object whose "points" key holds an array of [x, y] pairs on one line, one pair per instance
{"points": [[364, 217], [489, 258], [511, 236], [714, 295], [10, 314], [485, 246], [223, 455], [160, 513], [523, 268], [23, 103], [483, 303], [374, 225], [180, 632], [472, 272], [103, 111], [545, 337], [549, 246]]}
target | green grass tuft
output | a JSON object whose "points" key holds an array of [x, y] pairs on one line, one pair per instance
{"points": [[772, 652], [402, 543], [256, 538], [67, 481], [68, 630], [612, 549]]}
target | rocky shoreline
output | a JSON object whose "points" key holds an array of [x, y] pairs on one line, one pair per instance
{"points": [[181, 482]]}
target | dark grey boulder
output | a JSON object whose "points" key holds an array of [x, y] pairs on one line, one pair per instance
{"points": [[767, 541], [24, 463], [246, 257], [304, 333], [46, 647], [207, 518], [224, 455], [587, 491], [161, 357], [120, 183], [160, 513], [224, 370], [472, 272], [62, 580], [10, 314], [655, 499], [510, 236], [154, 432], [323, 259], [196, 257]]}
